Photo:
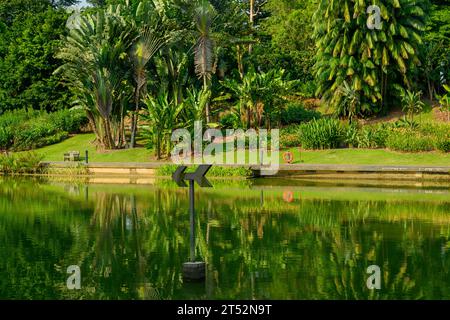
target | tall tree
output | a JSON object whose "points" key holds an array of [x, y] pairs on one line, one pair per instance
{"points": [[97, 69], [435, 52], [29, 38], [373, 62], [204, 48], [290, 43]]}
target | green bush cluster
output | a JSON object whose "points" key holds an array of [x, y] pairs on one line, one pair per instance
{"points": [[16, 163], [290, 136], [325, 133], [443, 144], [409, 140], [29, 129], [297, 113], [216, 171], [417, 138], [367, 136], [425, 137], [329, 133]]}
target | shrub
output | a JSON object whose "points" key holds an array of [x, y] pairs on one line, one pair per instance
{"points": [[28, 162], [28, 129], [409, 140], [443, 145], [351, 135], [405, 123], [373, 136], [229, 121], [216, 171], [325, 133], [6, 138], [69, 121], [297, 113], [290, 137], [307, 89], [290, 140], [49, 140], [28, 134]]}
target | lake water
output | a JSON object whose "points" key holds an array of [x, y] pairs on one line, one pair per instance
{"points": [[260, 239]]}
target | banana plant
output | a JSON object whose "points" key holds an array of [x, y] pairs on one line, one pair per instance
{"points": [[372, 62], [163, 116], [444, 101]]}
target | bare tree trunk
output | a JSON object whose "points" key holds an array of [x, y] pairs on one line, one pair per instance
{"points": [[430, 89], [252, 21], [205, 87], [240, 58], [93, 124], [122, 138], [109, 143], [158, 146], [134, 119]]}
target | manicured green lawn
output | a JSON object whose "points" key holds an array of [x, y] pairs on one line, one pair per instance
{"points": [[370, 157], [83, 142]]}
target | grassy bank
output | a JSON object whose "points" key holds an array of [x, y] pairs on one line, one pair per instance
{"points": [[82, 142], [335, 156]]}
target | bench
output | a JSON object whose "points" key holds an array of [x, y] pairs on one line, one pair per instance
{"points": [[72, 156]]}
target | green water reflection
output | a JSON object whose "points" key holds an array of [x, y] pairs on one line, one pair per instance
{"points": [[131, 241]]}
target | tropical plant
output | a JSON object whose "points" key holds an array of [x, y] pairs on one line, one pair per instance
{"points": [[171, 73], [349, 102], [27, 162], [444, 101], [97, 70], [163, 117], [144, 19], [372, 62], [325, 133], [195, 104], [408, 140], [297, 113], [412, 103], [260, 95], [148, 43], [204, 48]]}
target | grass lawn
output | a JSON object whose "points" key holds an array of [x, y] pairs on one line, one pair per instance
{"points": [[370, 157], [337, 156], [83, 142]]}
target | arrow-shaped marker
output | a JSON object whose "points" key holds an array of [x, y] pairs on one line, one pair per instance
{"points": [[198, 176], [178, 176]]}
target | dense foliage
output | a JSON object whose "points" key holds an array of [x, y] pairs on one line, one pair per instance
{"points": [[147, 67], [375, 63], [403, 135], [30, 34], [29, 129]]}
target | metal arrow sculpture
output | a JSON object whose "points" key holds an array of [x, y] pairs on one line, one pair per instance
{"points": [[198, 176], [192, 270]]}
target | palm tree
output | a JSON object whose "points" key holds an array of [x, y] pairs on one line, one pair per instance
{"points": [[204, 48], [143, 50], [372, 62], [259, 95], [96, 68]]}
